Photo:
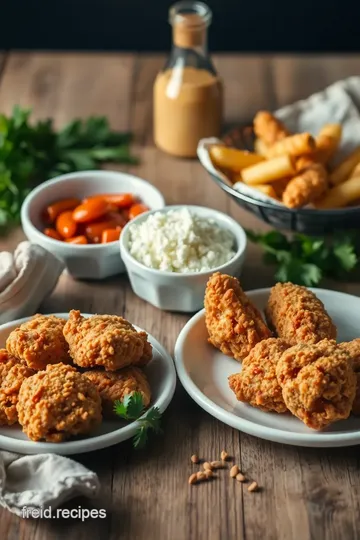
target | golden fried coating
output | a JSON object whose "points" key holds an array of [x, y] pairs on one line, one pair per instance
{"points": [[257, 384], [295, 145], [7, 361], [297, 315], [39, 342], [234, 324], [116, 385], [9, 392], [311, 184], [318, 382], [106, 341], [57, 404], [268, 128], [353, 348]]}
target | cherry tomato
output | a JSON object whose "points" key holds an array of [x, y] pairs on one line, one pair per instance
{"points": [[137, 209], [51, 233], [77, 240], [90, 210], [110, 235], [94, 230], [121, 200], [65, 225], [53, 210]]}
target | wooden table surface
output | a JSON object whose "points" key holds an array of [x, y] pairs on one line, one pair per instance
{"points": [[306, 493]]}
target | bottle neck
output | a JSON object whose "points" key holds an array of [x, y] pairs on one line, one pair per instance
{"points": [[190, 33]]}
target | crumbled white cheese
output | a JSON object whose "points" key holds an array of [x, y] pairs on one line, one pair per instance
{"points": [[179, 241]]}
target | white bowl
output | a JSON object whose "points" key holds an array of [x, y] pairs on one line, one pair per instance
{"points": [[92, 261], [180, 291]]}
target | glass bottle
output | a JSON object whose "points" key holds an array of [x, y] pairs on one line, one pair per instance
{"points": [[188, 93]]}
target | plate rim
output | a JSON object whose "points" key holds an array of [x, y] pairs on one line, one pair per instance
{"points": [[314, 439], [117, 436]]}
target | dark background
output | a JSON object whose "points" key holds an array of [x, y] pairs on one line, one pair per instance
{"points": [[141, 25]]}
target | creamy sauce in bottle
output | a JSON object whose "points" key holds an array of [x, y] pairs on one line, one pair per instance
{"points": [[188, 94]]}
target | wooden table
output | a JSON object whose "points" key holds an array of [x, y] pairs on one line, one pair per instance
{"points": [[307, 493]]}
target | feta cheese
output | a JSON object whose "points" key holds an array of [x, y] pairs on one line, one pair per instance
{"points": [[179, 241]]}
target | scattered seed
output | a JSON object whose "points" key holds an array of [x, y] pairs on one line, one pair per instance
{"points": [[217, 465], [253, 487], [194, 458], [193, 479], [240, 477], [209, 473], [206, 466], [234, 471], [224, 455], [200, 476]]}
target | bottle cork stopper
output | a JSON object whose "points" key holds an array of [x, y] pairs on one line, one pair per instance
{"points": [[189, 30]]}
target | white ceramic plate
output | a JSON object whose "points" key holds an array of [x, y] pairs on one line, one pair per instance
{"points": [[203, 371], [162, 378]]}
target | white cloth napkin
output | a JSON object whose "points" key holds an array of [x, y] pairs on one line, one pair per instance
{"points": [[26, 278], [339, 103], [42, 481]]}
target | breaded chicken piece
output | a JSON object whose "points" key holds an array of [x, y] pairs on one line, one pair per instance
{"points": [[9, 392], [257, 384], [57, 404], [297, 315], [304, 188], [234, 324], [7, 361], [106, 341], [268, 128], [39, 342], [318, 382], [116, 385], [353, 348]]}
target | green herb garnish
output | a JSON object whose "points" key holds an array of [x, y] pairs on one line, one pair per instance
{"points": [[305, 260], [31, 154], [131, 408]]}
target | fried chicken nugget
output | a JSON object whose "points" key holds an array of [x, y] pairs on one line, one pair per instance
{"points": [[268, 128], [234, 324], [353, 348], [116, 385], [304, 188], [297, 315], [108, 341], [9, 392], [57, 404], [7, 361], [257, 384], [39, 341], [318, 382]]}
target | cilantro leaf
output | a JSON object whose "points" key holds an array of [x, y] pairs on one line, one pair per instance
{"points": [[345, 255]]}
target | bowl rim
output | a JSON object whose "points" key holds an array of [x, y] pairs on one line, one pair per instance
{"points": [[240, 237], [70, 176]]}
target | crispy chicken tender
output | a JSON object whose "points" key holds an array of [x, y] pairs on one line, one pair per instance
{"points": [[353, 348], [234, 324], [108, 341], [116, 385], [39, 342], [57, 404], [294, 145], [9, 392], [318, 382], [311, 184], [257, 384], [268, 128], [297, 315]]}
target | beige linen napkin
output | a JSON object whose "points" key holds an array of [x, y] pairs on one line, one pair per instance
{"points": [[26, 278], [339, 103]]}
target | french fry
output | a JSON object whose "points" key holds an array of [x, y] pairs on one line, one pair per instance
{"points": [[343, 171], [306, 187], [260, 147], [327, 142], [356, 171], [296, 145], [268, 128], [303, 162], [340, 195], [231, 158], [268, 190], [268, 171]]}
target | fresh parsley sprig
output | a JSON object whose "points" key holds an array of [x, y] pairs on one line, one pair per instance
{"points": [[132, 408], [305, 260]]}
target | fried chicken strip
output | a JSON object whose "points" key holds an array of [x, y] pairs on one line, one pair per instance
{"points": [[311, 184], [234, 324], [294, 145], [297, 315], [268, 128]]}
